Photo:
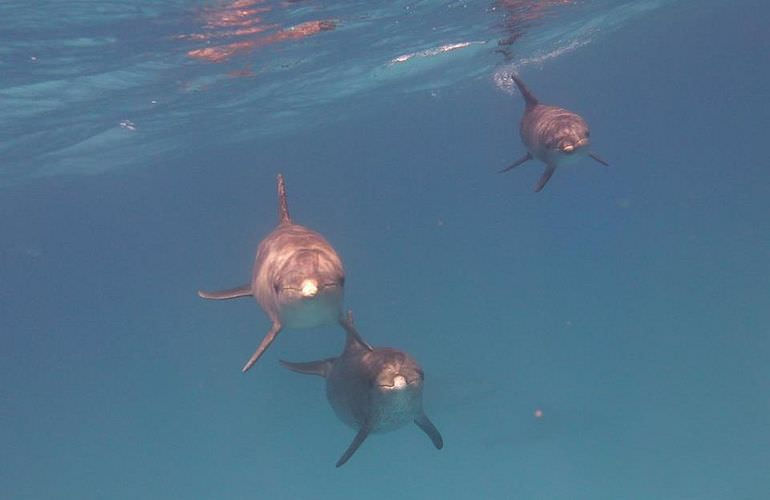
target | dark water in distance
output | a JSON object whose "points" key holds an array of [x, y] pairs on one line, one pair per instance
{"points": [[629, 304]]}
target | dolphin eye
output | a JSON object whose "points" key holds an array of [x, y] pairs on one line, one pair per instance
{"points": [[277, 288]]}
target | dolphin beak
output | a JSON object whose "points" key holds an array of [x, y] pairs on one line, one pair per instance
{"points": [[309, 289], [399, 382], [571, 148]]}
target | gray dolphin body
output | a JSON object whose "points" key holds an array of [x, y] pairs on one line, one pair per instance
{"points": [[298, 278], [552, 135], [372, 389]]}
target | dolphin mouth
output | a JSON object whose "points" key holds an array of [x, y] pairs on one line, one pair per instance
{"points": [[571, 148], [310, 289], [399, 382]]}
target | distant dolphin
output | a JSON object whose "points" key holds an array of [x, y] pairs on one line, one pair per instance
{"points": [[298, 278], [372, 390], [552, 135]]}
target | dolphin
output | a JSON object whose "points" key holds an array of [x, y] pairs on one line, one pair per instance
{"points": [[298, 279], [372, 389], [552, 135]]}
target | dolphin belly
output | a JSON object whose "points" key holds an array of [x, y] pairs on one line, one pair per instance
{"points": [[393, 411], [347, 393], [321, 310]]}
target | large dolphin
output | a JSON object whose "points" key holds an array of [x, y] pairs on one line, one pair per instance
{"points": [[372, 389], [552, 135], [298, 278]]}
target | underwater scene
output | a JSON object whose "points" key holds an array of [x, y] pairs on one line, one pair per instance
{"points": [[298, 249]]}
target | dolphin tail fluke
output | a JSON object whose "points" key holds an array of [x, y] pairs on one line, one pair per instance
{"points": [[549, 169], [354, 338], [283, 206], [529, 99], [424, 423], [518, 162], [262, 346], [320, 368], [232, 293], [360, 437], [599, 159]]}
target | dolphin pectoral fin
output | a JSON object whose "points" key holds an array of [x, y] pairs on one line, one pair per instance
{"points": [[518, 162], [262, 346], [320, 368], [233, 293], [424, 423], [598, 158], [353, 335], [360, 437], [549, 169]]}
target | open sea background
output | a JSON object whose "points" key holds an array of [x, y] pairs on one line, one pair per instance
{"points": [[629, 304]]}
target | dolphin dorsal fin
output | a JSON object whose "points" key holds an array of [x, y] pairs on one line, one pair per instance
{"points": [[283, 207], [353, 339], [530, 100]]}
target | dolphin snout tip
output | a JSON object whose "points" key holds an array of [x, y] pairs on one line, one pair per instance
{"points": [[309, 288]]}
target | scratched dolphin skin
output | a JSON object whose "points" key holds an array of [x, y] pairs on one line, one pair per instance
{"points": [[372, 389], [552, 135], [298, 279]]}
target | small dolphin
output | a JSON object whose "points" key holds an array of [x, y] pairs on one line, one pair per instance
{"points": [[372, 390], [552, 135], [298, 278]]}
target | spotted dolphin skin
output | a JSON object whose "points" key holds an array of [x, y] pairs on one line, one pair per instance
{"points": [[552, 135], [372, 389], [298, 279]]}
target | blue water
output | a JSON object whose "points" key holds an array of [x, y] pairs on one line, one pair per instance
{"points": [[629, 304]]}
